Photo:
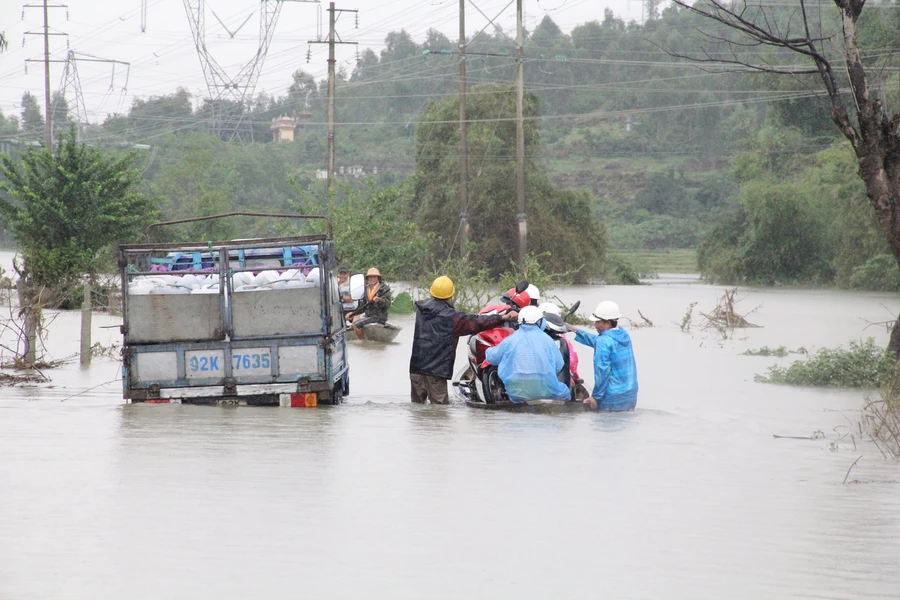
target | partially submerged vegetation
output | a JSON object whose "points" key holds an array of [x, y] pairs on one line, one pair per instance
{"points": [[780, 351], [723, 319], [862, 364], [883, 418]]}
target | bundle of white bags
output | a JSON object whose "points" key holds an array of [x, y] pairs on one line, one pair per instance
{"points": [[243, 281]]}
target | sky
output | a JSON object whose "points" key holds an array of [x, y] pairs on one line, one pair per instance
{"points": [[162, 57]]}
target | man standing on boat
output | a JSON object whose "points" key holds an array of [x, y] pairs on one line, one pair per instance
{"points": [[438, 328], [615, 372], [374, 305], [528, 361]]}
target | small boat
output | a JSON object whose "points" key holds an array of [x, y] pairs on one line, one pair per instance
{"points": [[544, 407], [384, 333]]}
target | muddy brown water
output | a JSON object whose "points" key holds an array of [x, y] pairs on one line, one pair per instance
{"points": [[690, 496]]}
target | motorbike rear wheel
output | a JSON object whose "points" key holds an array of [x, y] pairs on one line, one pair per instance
{"points": [[493, 386]]}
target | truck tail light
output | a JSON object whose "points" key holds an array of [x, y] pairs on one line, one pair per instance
{"points": [[303, 400]]}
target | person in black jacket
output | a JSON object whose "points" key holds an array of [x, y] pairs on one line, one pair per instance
{"points": [[438, 327]]}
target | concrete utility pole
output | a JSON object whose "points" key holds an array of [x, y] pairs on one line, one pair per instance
{"points": [[463, 136], [48, 125], [520, 136], [32, 305], [332, 20]]}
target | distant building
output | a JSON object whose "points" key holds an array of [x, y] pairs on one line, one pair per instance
{"points": [[283, 129], [351, 172]]}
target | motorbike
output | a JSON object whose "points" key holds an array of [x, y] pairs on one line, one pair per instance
{"points": [[479, 382]]}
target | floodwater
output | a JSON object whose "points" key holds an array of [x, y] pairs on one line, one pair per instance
{"points": [[689, 497]]}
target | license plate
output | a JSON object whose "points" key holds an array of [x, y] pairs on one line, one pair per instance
{"points": [[251, 361], [202, 364]]}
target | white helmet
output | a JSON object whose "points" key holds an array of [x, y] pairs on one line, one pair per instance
{"points": [[550, 308], [530, 315], [534, 293], [606, 311]]}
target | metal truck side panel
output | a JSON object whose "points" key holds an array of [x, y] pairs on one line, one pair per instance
{"points": [[165, 318], [277, 312]]}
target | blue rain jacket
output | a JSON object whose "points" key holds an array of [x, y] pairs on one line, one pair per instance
{"points": [[528, 362], [615, 372]]}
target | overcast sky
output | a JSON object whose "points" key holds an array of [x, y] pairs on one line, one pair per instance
{"points": [[163, 56]]}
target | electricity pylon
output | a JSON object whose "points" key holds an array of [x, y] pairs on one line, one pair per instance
{"points": [[230, 95], [70, 86]]}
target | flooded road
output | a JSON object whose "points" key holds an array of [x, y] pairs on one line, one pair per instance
{"points": [[690, 496]]}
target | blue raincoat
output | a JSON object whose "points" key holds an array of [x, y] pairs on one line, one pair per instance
{"points": [[615, 372], [529, 361]]}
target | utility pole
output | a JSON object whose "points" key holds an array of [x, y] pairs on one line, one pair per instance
{"points": [[520, 136], [463, 136], [48, 125], [332, 20]]}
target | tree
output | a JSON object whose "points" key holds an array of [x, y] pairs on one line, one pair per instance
{"points": [[8, 125], [398, 46], [32, 117], [197, 181], [436, 41], [663, 195], [651, 9], [60, 116], [303, 92], [157, 115], [65, 209], [367, 231], [559, 221], [868, 124]]}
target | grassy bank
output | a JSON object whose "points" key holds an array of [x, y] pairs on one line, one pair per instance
{"points": [[662, 261]]}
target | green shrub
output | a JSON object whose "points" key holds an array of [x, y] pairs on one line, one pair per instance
{"points": [[403, 304], [879, 273], [861, 365], [622, 271]]}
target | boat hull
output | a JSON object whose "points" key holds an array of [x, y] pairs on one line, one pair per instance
{"points": [[534, 406], [384, 333]]}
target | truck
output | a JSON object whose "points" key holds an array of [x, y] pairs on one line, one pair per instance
{"points": [[249, 322]]}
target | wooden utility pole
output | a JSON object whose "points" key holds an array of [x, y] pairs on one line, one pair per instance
{"points": [[45, 31], [463, 136], [520, 136], [333, 39]]}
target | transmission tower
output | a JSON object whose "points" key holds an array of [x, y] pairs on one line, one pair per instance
{"points": [[70, 86], [229, 95]]}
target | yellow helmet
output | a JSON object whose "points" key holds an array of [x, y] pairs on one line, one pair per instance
{"points": [[442, 288]]}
